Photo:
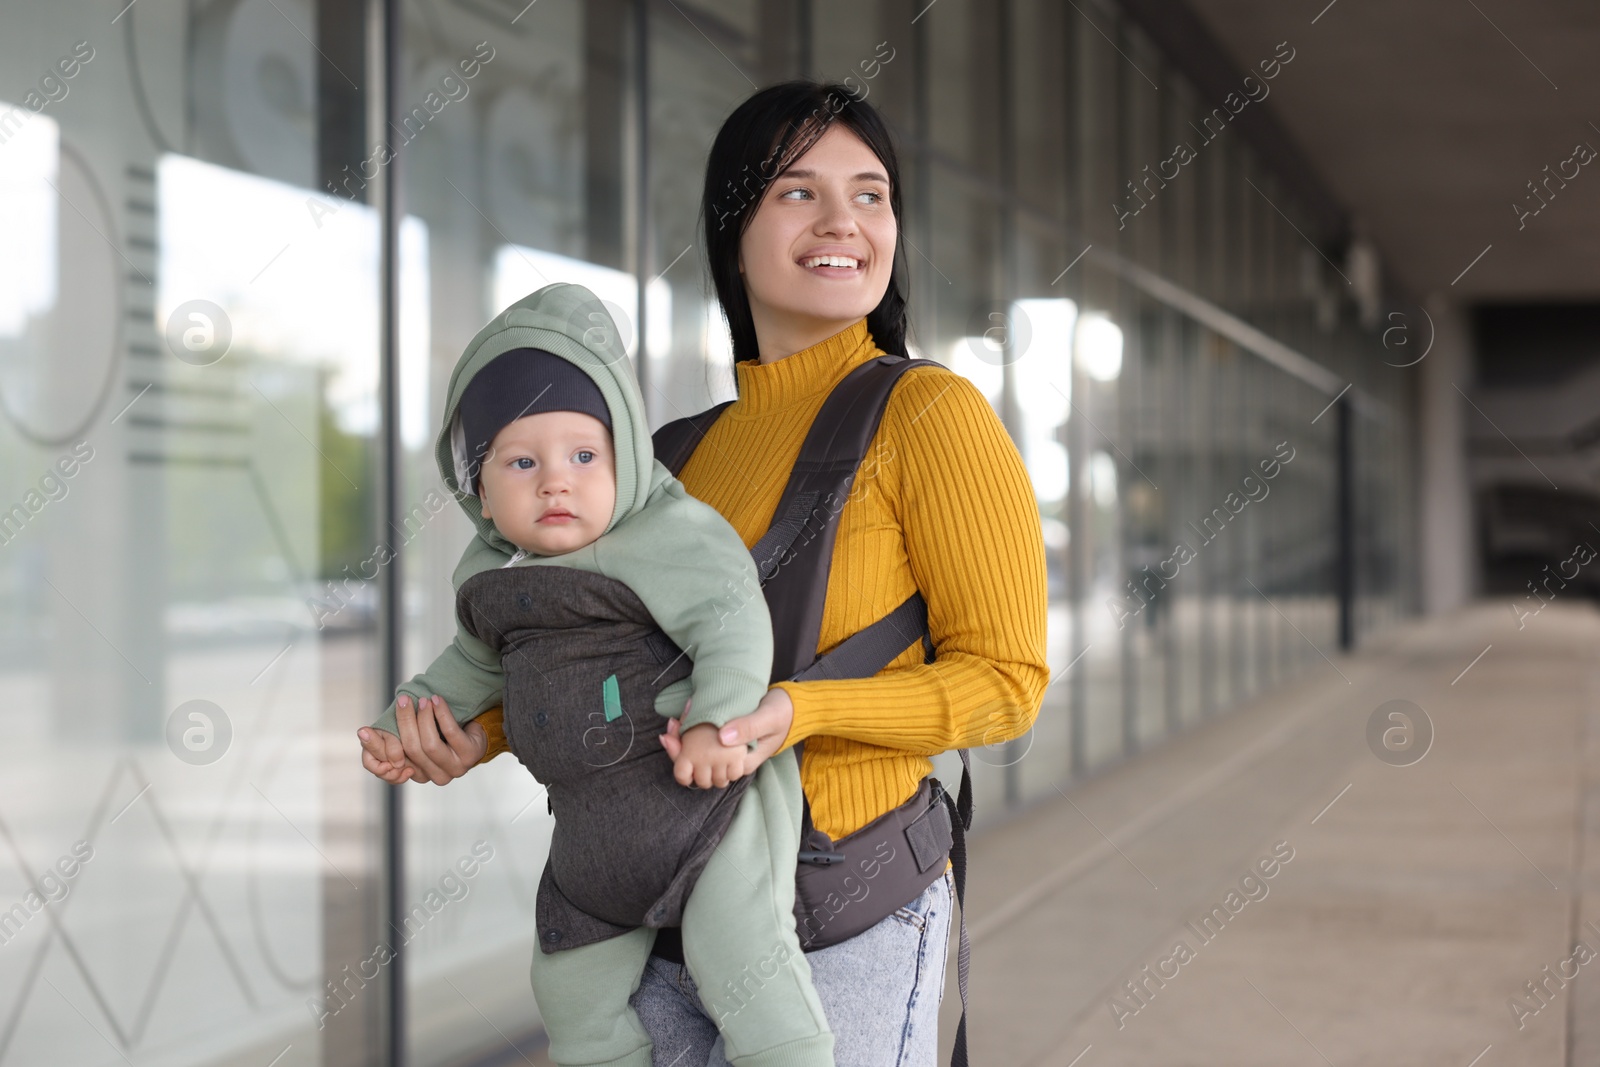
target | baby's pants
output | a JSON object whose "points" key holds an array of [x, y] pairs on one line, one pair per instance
{"points": [[739, 945]]}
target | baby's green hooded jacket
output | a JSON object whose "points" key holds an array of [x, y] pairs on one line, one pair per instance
{"points": [[681, 558]]}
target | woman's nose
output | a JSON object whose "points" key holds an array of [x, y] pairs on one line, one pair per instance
{"points": [[837, 218]]}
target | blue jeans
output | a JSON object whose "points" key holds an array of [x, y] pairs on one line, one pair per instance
{"points": [[880, 991]]}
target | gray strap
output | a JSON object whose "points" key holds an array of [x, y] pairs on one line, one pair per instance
{"points": [[867, 651], [960, 822], [775, 543]]}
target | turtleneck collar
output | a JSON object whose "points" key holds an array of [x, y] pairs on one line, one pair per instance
{"points": [[768, 387]]}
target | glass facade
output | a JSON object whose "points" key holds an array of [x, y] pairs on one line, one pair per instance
{"points": [[195, 540]]}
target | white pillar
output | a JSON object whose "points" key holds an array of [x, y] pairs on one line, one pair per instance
{"points": [[1447, 554]]}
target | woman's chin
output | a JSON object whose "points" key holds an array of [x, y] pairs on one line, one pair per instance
{"points": [[833, 307]]}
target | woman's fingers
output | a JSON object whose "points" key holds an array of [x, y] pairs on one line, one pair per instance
{"points": [[429, 729], [670, 740], [765, 747], [772, 716], [738, 731], [419, 735], [440, 756], [460, 750]]}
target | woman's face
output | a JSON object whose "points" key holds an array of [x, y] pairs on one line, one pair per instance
{"points": [[819, 252]]}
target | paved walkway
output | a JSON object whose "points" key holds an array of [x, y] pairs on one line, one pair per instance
{"points": [[1267, 890]]}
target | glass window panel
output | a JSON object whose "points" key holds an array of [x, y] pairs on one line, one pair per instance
{"points": [[963, 87], [1143, 190], [519, 183], [868, 45], [187, 385], [1039, 95], [1099, 168], [693, 90]]}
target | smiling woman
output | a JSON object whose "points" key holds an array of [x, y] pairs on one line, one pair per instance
{"points": [[804, 263]]}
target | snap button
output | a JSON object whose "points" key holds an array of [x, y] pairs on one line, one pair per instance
{"points": [[552, 935], [541, 718], [524, 601]]}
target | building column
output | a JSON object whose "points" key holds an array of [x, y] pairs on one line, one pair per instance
{"points": [[1447, 552]]}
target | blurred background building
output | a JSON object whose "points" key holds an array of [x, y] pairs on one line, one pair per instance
{"points": [[1238, 276]]}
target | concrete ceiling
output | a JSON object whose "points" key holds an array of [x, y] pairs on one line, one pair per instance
{"points": [[1428, 123]]}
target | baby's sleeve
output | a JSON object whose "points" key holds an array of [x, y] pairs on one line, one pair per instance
{"points": [[466, 674], [699, 582]]}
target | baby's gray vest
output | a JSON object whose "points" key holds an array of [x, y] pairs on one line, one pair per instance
{"points": [[583, 662]]}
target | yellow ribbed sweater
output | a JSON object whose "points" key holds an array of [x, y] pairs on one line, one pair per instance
{"points": [[942, 503]]}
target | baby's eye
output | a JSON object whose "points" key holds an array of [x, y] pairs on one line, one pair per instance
{"points": [[586, 452], [522, 464]]}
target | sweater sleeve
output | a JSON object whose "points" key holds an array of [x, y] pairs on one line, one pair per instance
{"points": [[493, 722], [698, 581], [973, 541]]}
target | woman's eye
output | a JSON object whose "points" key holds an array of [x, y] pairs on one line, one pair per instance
{"points": [[803, 192], [877, 198]]}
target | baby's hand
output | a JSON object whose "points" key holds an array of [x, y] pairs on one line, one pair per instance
{"points": [[383, 755], [704, 761]]}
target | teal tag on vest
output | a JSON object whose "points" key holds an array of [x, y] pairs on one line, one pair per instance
{"points": [[613, 698]]}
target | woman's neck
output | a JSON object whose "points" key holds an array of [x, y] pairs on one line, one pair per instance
{"points": [[775, 341]]}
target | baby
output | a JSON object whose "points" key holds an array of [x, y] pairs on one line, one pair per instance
{"points": [[596, 599]]}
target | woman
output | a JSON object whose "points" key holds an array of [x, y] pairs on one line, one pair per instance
{"points": [[801, 214]]}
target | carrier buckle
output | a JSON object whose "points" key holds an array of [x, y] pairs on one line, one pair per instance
{"points": [[821, 859]]}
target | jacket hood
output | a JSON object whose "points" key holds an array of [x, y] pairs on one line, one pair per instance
{"points": [[571, 322]]}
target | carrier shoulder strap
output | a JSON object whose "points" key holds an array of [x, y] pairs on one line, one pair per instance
{"points": [[675, 442], [793, 556]]}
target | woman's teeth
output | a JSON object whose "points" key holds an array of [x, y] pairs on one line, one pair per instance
{"points": [[830, 261]]}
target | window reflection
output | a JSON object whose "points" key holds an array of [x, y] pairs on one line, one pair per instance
{"points": [[1044, 390], [519, 271], [29, 174]]}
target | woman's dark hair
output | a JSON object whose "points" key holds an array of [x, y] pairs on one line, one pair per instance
{"points": [[763, 138]]}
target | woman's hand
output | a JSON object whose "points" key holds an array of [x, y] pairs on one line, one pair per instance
{"points": [[768, 725], [437, 748]]}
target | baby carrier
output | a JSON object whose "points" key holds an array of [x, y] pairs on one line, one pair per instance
{"points": [[793, 558]]}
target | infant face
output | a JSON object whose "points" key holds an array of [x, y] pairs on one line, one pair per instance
{"points": [[549, 481]]}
